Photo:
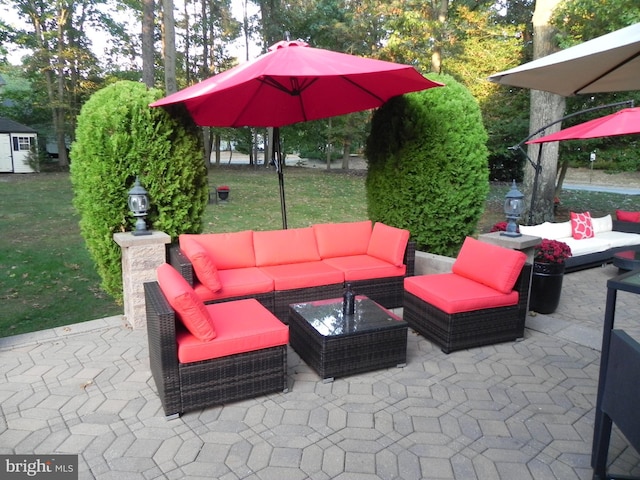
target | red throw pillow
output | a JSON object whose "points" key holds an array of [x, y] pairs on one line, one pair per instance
{"points": [[388, 243], [581, 226], [624, 216], [203, 264], [185, 302]]}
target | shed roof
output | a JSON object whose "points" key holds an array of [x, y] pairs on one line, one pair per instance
{"points": [[9, 126]]}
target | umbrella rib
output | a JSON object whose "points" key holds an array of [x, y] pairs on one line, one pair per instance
{"points": [[604, 74], [367, 91], [296, 90]]}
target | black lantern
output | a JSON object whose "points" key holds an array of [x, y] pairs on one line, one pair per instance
{"points": [[513, 206], [139, 205]]}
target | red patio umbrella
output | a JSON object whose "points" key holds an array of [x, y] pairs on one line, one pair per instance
{"points": [[622, 122], [292, 83]]}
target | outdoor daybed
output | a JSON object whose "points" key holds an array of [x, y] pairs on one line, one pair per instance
{"points": [[605, 237], [282, 267]]}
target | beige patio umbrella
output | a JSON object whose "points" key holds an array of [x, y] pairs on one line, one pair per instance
{"points": [[610, 63]]}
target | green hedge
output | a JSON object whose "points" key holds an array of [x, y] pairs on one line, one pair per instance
{"points": [[119, 137], [428, 168]]}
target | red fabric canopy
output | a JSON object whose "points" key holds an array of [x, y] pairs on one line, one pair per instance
{"points": [[295, 83], [623, 122]]}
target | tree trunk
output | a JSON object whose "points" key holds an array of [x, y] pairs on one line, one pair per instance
{"points": [[171, 84], [59, 107], [346, 151], [436, 56], [539, 190], [147, 43]]}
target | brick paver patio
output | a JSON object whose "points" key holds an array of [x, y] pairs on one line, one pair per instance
{"points": [[519, 410]]}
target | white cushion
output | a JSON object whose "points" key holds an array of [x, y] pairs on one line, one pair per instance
{"points": [[602, 224], [619, 239], [587, 245], [549, 230]]}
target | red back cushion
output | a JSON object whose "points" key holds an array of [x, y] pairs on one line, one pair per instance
{"points": [[203, 263], [342, 239], [189, 308], [491, 265], [624, 216], [581, 225], [388, 243], [228, 250], [282, 247]]}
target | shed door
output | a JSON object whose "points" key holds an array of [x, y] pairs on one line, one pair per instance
{"points": [[6, 161]]}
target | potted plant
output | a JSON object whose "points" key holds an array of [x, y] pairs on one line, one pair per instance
{"points": [[548, 272], [223, 193]]}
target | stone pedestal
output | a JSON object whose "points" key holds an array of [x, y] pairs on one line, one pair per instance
{"points": [[141, 255], [524, 243]]}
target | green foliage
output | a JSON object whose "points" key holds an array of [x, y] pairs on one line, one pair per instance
{"points": [[582, 20], [118, 138], [428, 171]]}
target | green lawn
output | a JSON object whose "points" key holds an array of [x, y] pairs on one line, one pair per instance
{"points": [[47, 278]]}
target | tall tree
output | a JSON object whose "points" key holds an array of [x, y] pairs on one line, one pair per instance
{"points": [[169, 44], [147, 43], [546, 108]]}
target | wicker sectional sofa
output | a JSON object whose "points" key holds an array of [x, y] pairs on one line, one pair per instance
{"points": [[281, 267], [610, 236]]}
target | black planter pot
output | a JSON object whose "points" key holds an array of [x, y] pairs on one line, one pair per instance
{"points": [[546, 287]]}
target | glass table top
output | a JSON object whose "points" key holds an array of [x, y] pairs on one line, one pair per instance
{"points": [[629, 282], [327, 318]]}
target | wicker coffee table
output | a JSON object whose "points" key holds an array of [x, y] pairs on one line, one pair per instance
{"points": [[336, 345]]}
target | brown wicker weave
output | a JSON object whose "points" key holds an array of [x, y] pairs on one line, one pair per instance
{"points": [[469, 329], [192, 386]]}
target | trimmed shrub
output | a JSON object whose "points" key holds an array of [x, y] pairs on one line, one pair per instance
{"points": [[119, 137], [428, 168]]}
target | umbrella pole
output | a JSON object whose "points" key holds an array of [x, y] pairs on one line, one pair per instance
{"points": [[276, 153]]}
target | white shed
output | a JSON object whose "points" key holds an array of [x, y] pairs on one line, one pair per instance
{"points": [[16, 142]]}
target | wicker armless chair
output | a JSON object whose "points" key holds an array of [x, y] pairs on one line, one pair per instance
{"points": [[461, 328]]}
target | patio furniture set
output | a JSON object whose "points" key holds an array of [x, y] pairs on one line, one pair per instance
{"points": [[223, 311]]}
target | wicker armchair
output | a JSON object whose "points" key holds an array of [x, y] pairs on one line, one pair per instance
{"points": [[472, 327], [190, 386]]}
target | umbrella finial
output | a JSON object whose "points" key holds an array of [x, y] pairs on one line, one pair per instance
{"points": [[287, 36]]}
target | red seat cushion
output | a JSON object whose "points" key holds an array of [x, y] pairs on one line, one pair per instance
{"points": [[188, 307], [452, 293], [242, 326], [236, 283], [365, 267], [491, 265], [303, 275]]}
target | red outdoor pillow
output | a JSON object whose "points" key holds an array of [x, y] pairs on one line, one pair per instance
{"points": [[189, 308], [581, 226], [388, 243], [491, 265], [624, 216], [203, 263]]}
